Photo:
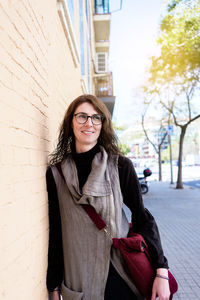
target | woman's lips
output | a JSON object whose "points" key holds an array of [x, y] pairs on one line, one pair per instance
{"points": [[87, 132]]}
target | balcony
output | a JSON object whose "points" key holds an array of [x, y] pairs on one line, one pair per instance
{"points": [[101, 7], [104, 90], [103, 79], [101, 19]]}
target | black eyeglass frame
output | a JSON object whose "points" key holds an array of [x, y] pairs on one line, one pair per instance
{"points": [[91, 117]]}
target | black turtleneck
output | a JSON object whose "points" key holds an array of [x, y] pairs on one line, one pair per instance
{"points": [[143, 222], [83, 163]]}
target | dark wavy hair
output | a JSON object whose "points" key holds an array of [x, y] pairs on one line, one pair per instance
{"points": [[66, 139]]}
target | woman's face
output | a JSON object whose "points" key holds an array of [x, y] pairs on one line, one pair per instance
{"points": [[86, 135]]}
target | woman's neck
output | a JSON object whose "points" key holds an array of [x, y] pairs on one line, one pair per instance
{"points": [[85, 157], [83, 163], [84, 148]]}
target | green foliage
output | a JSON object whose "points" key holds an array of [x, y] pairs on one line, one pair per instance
{"points": [[173, 5], [119, 128], [175, 74], [166, 153], [124, 148], [180, 43]]}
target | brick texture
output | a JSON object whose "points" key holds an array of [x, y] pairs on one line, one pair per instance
{"points": [[38, 80]]}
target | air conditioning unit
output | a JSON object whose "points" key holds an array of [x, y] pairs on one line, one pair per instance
{"points": [[101, 62]]}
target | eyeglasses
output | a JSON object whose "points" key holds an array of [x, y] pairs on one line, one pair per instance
{"points": [[82, 118]]}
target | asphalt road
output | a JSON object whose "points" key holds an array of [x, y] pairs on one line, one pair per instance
{"points": [[189, 174], [193, 183]]}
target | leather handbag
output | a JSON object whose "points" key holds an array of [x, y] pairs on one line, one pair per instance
{"points": [[136, 256]]}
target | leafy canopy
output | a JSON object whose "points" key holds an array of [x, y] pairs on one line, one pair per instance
{"points": [[180, 43]]}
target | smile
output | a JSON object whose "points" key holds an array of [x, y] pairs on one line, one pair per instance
{"points": [[87, 132]]}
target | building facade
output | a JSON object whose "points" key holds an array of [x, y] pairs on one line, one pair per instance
{"points": [[48, 52], [103, 79]]}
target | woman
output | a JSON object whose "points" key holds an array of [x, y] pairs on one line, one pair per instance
{"points": [[88, 168]]}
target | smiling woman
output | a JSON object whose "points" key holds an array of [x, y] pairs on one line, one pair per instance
{"points": [[87, 167], [86, 125], [92, 109]]}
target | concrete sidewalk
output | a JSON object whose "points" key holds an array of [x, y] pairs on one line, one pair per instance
{"points": [[177, 213]]}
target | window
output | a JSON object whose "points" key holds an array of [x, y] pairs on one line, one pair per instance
{"points": [[70, 4], [82, 46], [66, 14]]}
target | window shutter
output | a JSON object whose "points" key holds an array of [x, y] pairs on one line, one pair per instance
{"points": [[101, 62]]}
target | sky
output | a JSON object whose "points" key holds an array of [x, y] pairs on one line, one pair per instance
{"points": [[133, 35]]}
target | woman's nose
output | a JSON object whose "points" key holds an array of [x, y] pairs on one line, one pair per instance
{"points": [[89, 122]]}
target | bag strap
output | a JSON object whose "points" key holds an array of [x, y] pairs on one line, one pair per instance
{"points": [[94, 216], [89, 209]]}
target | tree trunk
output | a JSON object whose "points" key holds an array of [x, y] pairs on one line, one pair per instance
{"points": [[159, 163], [179, 184]]}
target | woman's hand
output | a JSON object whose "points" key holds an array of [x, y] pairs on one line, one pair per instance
{"points": [[161, 286], [56, 295]]}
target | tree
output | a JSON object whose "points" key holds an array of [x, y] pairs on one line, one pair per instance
{"points": [[182, 124], [180, 42], [157, 141], [124, 148], [177, 68]]}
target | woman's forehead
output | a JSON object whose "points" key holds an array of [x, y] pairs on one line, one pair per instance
{"points": [[86, 108]]}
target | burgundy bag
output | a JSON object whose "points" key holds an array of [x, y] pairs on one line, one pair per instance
{"points": [[135, 253]]}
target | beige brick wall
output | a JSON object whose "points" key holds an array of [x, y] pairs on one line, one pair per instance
{"points": [[37, 81]]}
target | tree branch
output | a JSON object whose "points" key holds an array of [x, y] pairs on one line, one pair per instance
{"points": [[193, 119], [188, 94], [145, 132], [170, 109]]}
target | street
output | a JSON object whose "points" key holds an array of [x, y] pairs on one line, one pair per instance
{"points": [[189, 174], [193, 183]]}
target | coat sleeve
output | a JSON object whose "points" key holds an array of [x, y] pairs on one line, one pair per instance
{"points": [[55, 251], [142, 220]]}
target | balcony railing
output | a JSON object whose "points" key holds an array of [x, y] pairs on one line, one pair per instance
{"points": [[101, 7], [104, 85]]}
